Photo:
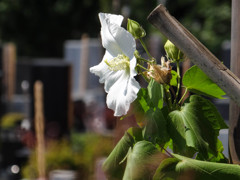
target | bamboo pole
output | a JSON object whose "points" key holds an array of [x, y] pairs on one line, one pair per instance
{"points": [[196, 52], [234, 110], [39, 128]]}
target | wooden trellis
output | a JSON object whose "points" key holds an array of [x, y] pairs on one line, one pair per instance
{"points": [[205, 60]]}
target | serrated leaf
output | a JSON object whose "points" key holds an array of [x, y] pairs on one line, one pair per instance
{"points": [[196, 125], [156, 127], [137, 167], [155, 93], [196, 81], [113, 166]]}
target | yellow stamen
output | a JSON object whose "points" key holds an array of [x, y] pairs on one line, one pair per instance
{"points": [[121, 62]]}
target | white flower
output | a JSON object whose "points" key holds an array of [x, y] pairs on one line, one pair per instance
{"points": [[117, 69]]}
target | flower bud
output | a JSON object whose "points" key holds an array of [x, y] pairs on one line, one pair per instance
{"points": [[135, 29], [173, 52]]}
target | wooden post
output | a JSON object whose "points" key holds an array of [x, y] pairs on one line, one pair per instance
{"points": [[234, 118], [196, 52], [84, 65], [39, 128], [9, 69]]}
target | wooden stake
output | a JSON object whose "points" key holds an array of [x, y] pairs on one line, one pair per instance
{"points": [[9, 68], [234, 111], [39, 128], [196, 52]]}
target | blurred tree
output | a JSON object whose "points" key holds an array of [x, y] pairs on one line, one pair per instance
{"points": [[40, 27], [209, 21]]}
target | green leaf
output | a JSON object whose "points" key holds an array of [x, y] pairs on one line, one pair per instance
{"points": [[196, 125], [136, 133], [208, 170], [156, 127], [196, 81], [166, 170], [155, 93], [213, 157], [113, 166], [173, 81], [142, 101], [181, 167], [140, 106], [138, 161]]}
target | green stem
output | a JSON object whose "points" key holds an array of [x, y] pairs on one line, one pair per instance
{"points": [[168, 98], [178, 81], [186, 90], [145, 48], [142, 67]]}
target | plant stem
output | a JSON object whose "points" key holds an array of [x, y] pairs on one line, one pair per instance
{"points": [[186, 90], [168, 97], [142, 67], [178, 81], [145, 48]]}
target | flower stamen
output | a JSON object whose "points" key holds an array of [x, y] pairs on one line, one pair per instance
{"points": [[121, 62]]}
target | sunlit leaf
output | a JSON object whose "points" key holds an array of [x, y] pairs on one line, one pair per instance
{"points": [[155, 93], [138, 162], [196, 125], [181, 167], [113, 166], [173, 81], [196, 81]]}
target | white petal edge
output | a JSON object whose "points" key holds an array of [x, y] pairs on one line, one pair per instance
{"points": [[122, 94]]}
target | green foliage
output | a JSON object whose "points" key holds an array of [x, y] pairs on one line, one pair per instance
{"points": [[137, 167], [183, 167], [173, 81], [195, 80], [196, 125], [155, 94], [9, 120], [113, 166], [79, 155], [209, 21]]}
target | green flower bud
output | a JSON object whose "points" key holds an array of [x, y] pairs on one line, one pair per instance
{"points": [[173, 52], [135, 29]]}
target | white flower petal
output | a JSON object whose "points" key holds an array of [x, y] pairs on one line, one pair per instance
{"points": [[124, 39], [120, 85], [107, 76], [122, 94], [108, 40], [112, 18]]}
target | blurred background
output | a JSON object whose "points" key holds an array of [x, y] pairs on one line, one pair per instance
{"points": [[56, 42]]}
